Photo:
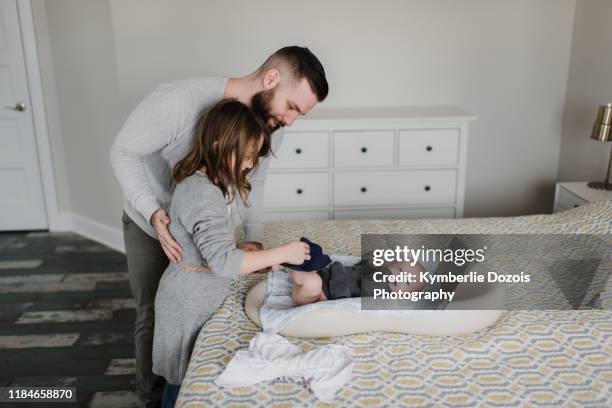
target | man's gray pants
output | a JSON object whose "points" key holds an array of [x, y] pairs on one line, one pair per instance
{"points": [[146, 262]]}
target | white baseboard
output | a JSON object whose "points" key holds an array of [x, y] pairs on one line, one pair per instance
{"points": [[61, 222], [98, 232]]}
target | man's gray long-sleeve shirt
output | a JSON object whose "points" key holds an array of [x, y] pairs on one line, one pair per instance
{"points": [[158, 134]]}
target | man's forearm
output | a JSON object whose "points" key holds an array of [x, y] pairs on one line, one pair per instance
{"points": [[147, 130], [130, 172]]}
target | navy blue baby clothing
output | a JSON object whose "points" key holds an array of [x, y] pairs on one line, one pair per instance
{"points": [[317, 259]]}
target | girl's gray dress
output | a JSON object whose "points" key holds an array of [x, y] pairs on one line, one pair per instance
{"points": [[202, 225]]}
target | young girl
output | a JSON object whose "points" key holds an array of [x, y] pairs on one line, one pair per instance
{"points": [[228, 143]]}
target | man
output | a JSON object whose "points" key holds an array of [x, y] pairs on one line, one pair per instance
{"points": [[157, 134]]}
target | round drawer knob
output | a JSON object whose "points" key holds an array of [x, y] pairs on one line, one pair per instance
{"points": [[299, 191], [429, 148], [364, 149], [427, 188], [364, 189], [298, 151]]}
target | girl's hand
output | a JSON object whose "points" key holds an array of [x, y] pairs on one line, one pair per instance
{"points": [[296, 252]]}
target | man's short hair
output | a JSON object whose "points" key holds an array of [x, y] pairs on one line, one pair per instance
{"points": [[302, 63]]}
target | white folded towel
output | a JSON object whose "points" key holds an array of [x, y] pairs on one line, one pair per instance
{"points": [[324, 369]]}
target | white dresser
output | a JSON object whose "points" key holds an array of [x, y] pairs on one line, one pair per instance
{"points": [[407, 162]]}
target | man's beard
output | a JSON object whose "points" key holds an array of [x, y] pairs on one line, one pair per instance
{"points": [[261, 105]]}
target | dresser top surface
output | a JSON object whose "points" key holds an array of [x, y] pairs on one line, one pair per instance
{"points": [[392, 112]]}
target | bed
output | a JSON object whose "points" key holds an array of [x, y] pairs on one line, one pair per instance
{"points": [[554, 358]]}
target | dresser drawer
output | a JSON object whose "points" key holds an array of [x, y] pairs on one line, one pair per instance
{"points": [[423, 147], [296, 190], [363, 148], [395, 187], [398, 214], [302, 150], [568, 200]]}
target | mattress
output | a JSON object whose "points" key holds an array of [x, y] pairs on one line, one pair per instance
{"points": [[555, 358]]}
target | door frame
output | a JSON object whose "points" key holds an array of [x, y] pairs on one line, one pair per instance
{"points": [[56, 220]]}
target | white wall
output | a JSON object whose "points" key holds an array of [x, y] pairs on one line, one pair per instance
{"points": [[80, 38], [589, 85], [505, 62]]}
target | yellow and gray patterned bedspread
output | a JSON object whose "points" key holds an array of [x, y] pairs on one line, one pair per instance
{"points": [[528, 358]]}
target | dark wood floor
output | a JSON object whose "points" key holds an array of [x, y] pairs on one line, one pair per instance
{"points": [[66, 318]]}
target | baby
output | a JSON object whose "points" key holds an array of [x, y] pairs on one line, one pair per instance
{"points": [[321, 279], [315, 286]]}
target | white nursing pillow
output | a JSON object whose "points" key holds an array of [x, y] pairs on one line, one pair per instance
{"points": [[339, 322]]}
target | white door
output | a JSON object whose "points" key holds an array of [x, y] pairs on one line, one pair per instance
{"points": [[22, 205]]}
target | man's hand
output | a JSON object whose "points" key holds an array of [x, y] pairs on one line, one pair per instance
{"points": [[160, 222]]}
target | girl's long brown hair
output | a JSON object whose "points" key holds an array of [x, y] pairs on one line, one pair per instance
{"points": [[227, 130]]}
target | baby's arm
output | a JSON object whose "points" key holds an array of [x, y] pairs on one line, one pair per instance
{"points": [[307, 287]]}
